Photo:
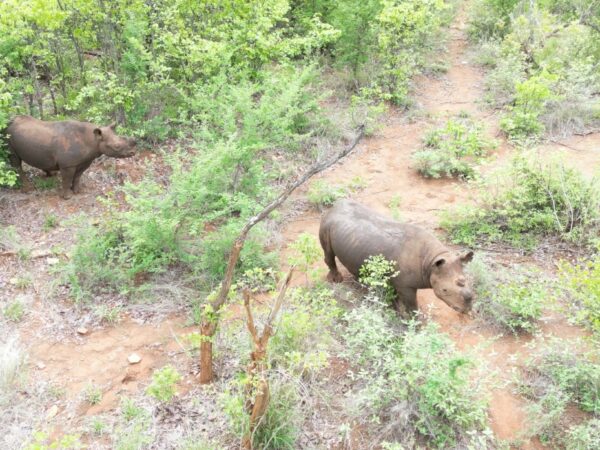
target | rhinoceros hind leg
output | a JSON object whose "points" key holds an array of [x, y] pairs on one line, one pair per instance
{"points": [[67, 182], [334, 275], [16, 162]]}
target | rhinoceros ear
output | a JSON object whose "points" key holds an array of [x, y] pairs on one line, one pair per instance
{"points": [[467, 257], [113, 125], [98, 133]]}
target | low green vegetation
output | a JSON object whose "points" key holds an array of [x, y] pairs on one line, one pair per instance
{"points": [[163, 386], [558, 376], [281, 423], [529, 48], [453, 149], [528, 201], [375, 274], [321, 194], [45, 183], [511, 299], [417, 371], [14, 311], [582, 284], [92, 394]]}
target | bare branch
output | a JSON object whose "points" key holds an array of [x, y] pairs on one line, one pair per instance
{"points": [[209, 326]]}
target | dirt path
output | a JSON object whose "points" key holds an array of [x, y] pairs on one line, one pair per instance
{"points": [[384, 162]]}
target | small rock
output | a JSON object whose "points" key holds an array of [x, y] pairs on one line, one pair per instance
{"points": [[134, 358], [53, 411], [82, 331], [52, 261], [13, 281], [40, 253], [40, 365]]}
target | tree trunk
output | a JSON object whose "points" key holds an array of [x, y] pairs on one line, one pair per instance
{"points": [[210, 318]]}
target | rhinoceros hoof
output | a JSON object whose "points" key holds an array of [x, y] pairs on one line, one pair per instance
{"points": [[335, 277], [67, 195]]}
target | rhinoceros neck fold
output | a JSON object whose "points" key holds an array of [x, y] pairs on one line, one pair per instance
{"points": [[427, 268]]}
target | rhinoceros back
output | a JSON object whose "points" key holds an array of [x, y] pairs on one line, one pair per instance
{"points": [[355, 232]]}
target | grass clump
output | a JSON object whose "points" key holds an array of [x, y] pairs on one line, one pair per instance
{"points": [[582, 284], [453, 150], [279, 427], [11, 363], [511, 299], [321, 194], [528, 201], [14, 311], [416, 382], [560, 375]]}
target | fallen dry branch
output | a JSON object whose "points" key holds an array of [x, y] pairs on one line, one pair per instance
{"points": [[210, 319], [257, 391]]}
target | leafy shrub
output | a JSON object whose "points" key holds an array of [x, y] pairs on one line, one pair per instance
{"points": [[490, 18], [303, 336], [452, 150], [531, 97], [8, 176], [279, 427], [559, 374], [163, 384], [376, 273], [258, 280], [584, 436], [307, 252], [582, 283], [510, 299], [415, 382], [533, 71], [406, 32], [530, 200]]}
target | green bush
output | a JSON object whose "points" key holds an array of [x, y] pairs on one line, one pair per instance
{"points": [[531, 97], [559, 374], [453, 149], [279, 427], [163, 384], [582, 283], [528, 201], [510, 299], [376, 273], [303, 337], [530, 48], [419, 373]]}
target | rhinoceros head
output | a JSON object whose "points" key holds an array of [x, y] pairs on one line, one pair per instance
{"points": [[449, 282], [110, 144]]}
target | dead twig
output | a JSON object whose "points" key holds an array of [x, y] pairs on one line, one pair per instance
{"points": [[256, 405]]}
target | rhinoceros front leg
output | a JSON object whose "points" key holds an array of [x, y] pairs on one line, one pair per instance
{"points": [[67, 174], [406, 302], [77, 179]]}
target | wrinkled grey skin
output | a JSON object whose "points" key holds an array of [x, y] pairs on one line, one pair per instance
{"points": [[69, 146], [353, 233]]}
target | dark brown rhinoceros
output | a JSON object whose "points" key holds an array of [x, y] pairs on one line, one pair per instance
{"points": [[69, 146], [353, 233]]}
